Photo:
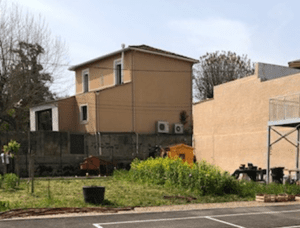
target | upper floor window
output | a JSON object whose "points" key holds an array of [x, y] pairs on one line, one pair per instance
{"points": [[85, 80], [118, 72]]}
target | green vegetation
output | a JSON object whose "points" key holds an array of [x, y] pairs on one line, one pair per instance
{"points": [[200, 179], [10, 181], [145, 184]]}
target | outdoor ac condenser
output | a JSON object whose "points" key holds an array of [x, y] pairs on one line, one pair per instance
{"points": [[162, 127], [178, 128]]}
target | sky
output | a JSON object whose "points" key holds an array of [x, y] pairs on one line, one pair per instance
{"points": [[265, 31]]}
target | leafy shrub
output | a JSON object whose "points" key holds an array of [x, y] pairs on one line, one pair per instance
{"points": [[4, 205], [202, 178], [10, 181]]}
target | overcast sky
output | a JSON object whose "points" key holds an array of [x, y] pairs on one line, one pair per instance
{"points": [[267, 31]]}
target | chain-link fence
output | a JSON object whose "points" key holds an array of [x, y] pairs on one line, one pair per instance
{"points": [[284, 108]]}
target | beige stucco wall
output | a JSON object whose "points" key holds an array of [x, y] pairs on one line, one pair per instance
{"points": [[67, 114], [103, 69], [231, 129], [114, 109], [161, 93], [158, 88]]}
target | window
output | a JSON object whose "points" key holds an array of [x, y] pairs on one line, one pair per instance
{"points": [[102, 80], [85, 80], [44, 120], [83, 113], [118, 72]]}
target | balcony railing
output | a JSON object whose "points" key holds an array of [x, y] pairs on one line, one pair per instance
{"points": [[284, 108]]}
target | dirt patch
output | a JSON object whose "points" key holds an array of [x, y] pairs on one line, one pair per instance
{"points": [[54, 211]]}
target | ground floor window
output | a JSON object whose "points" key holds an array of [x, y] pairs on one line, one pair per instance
{"points": [[44, 120]]}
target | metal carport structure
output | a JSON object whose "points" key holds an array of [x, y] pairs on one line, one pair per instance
{"points": [[284, 112]]}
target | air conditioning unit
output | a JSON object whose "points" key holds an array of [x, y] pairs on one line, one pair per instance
{"points": [[178, 128], [162, 127]]}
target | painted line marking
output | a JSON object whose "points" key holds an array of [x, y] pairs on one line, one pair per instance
{"points": [[99, 225], [227, 223], [289, 226]]}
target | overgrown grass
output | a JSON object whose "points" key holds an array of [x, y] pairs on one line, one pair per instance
{"points": [[200, 179], [118, 193], [144, 185]]}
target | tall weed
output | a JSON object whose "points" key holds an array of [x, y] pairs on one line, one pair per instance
{"points": [[202, 178], [10, 181]]}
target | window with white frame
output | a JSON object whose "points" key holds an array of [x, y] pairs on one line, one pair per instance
{"points": [[118, 72], [102, 80], [83, 113], [85, 80]]}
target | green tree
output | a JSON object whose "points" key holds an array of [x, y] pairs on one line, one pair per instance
{"points": [[30, 58], [217, 68]]}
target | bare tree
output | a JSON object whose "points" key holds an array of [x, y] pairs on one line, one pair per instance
{"points": [[25, 42], [217, 68]]}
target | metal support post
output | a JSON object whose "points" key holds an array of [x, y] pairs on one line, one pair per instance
{"points": [[268, 155], [297, 152]]}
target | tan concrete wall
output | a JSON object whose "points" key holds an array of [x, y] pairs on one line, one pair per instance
{"points": [[160, 92], [89, 100], [114, 109], [67, 116], [231, 129], [103, 69]]}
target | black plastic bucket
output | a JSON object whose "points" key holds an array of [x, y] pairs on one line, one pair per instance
{"points": [[93, 194]]}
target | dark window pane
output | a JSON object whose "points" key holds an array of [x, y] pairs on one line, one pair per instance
{"points": [[84, 113], [119, 74], [86, 83], [44, 120]]}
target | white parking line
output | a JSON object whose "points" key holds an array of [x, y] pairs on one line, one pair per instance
{"points": [[99, 225], [227, 223], [289, 226]]}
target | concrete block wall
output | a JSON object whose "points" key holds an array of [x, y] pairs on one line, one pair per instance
{"points": [[53, 148]]}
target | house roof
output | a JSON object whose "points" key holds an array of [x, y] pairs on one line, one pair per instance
{"points": [[294, 64], [141, 48]]}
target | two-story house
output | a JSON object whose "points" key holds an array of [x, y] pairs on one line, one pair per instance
{"points": [[129, 90]]}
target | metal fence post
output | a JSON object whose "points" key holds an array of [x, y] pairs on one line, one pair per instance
{"points": [[268, 155]]}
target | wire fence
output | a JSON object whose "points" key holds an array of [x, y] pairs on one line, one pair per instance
{"points": [[284, 108]]}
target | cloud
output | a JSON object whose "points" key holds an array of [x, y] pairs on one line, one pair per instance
{"points": [[214, 34]]}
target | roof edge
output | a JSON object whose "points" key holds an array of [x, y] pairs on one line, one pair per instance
{"points": [[73, 68]]}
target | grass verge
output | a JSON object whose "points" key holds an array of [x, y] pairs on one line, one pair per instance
{"points": [[118, 193]]}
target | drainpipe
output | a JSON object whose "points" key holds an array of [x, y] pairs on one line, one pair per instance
{"points": [[100, 149], [132, 94], [122, 63], [137, 143]]}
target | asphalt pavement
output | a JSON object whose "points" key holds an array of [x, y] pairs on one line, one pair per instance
{"points": [[277, 216]]}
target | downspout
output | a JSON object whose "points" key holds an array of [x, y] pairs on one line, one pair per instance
{"points": [[100, 148], [132, 93], [137, 143], [97, 123], [122, 63]]}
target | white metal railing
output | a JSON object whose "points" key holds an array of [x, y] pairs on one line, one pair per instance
{"points": [[284, 108]]}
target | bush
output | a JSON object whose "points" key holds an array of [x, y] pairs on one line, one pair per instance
{"points": [[4, 205], [202, 178], [10, 181]]}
